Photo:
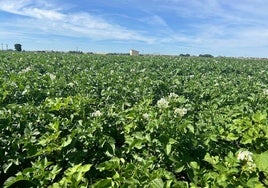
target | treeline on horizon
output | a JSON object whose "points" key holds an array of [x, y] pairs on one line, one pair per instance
{"points": [[112, 53]]}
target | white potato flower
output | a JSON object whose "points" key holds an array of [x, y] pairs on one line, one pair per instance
{"points": [[245, 156], [162, 103], [173, 95], [145, 116], [25, 70], [52, 76], [180, 111], [96, 113], [248, 163]]}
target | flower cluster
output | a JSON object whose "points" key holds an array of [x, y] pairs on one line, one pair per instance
{"points": [[25, 70], [162, 103], [145, 116], [245, 156], [52, 76], [173, 95], [180, 111], [96, 113]]}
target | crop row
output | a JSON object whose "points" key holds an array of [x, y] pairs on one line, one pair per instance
{"points": [[69, 120]]}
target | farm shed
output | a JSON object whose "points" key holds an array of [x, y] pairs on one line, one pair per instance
{"points": [[133, 52]]}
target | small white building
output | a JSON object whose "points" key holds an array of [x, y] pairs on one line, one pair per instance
{"points": [[133, 52]]}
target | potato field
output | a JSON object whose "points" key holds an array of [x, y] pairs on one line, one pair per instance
{"points": [[83, 120]]}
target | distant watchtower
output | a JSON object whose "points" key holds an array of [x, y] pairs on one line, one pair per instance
{"points": [[133, 52]]}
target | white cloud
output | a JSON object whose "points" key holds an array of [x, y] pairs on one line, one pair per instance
{"points": [[13, 6], [43, 14], [154, 20], [27, 8], [54, 21], [220, 24], [206, 24]]}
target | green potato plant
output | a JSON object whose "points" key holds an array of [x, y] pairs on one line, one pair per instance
{"points": [[83, 120]]}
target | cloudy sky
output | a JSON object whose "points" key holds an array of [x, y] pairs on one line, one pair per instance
{"points": [[229, 28]]}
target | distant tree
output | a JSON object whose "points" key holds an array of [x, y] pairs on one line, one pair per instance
{"points": [[18, 47], [205, 55], [75, 52], [185, 55]]}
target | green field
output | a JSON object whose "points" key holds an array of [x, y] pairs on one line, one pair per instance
{"points": [[69, 120]]}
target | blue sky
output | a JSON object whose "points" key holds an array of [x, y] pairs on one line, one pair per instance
{"points": [[228, 28]]}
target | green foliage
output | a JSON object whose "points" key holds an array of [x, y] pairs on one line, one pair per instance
{"points": [[82, 120]]}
